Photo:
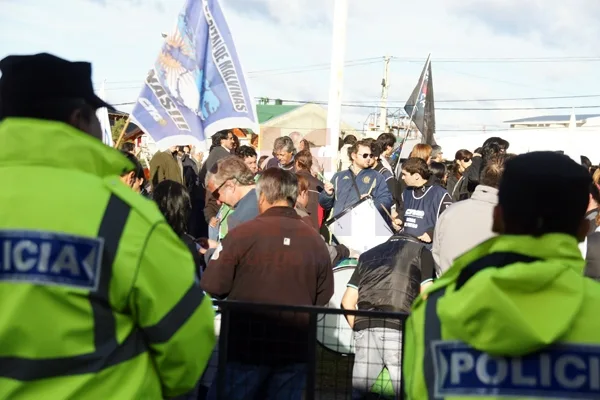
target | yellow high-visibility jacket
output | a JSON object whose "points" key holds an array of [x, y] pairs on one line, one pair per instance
{"points": [[98, 296], [513, 318]]}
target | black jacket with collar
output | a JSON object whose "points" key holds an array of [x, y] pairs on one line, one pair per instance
{"points": [[388, 278]]}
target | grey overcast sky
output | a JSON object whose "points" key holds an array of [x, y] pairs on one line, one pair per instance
{"points": [[122, 38]]}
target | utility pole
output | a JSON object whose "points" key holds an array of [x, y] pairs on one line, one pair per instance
{"points": [[334, 108], [384, 95]]}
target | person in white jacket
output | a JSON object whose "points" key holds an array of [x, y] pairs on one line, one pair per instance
{"points": [[467, 223]]}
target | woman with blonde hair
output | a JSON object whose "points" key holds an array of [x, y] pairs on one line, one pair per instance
{"points": [[422, 151]]}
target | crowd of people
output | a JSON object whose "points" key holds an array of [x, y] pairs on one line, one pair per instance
{"points": [[98, 283]]}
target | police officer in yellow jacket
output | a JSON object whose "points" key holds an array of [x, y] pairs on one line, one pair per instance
{"points": [[98, 297], [514, 317]]}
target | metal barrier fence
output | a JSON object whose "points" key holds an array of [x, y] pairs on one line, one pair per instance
{"points": [[310, 349]]}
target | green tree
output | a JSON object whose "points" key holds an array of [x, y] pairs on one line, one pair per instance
{"points": [[117, 128]]}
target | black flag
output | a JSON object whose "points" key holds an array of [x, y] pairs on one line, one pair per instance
{"points": [[419, 105]]}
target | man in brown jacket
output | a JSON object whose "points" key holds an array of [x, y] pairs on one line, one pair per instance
{"points": [[164, 166], [275, 258]]}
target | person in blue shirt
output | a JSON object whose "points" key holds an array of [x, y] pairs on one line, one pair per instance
{"points": [[348, 186]]}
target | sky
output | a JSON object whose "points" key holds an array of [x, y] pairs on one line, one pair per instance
{"points": [[481, 49]]}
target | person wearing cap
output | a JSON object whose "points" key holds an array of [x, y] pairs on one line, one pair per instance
{"points": [[98, 296], [514, 317]]}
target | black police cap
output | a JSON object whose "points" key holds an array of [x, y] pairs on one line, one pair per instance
{"points": [[544, 185], [42, 77]]}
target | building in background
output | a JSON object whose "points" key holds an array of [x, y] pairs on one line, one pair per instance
{"points": [[554, 121], [298, 121]]}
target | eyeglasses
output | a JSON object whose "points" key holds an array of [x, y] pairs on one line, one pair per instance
{"points": [[215, 193], [366, 155], [467, 160]]}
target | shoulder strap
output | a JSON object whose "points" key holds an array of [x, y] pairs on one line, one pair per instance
{"points": [[354, 183], [495, 260]]}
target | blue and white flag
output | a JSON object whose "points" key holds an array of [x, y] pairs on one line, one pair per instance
{"points": [[102, 114], [196, 87]]}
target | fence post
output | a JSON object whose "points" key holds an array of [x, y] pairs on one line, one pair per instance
{"points": [[311, 372], [223, 337]]}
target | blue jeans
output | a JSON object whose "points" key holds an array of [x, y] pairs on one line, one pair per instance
{"points": [[249, 382]]}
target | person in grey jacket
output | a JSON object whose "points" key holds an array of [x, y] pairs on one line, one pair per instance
{"points": [[467, 223]]}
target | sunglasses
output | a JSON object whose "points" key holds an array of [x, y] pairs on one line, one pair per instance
{"points": [[215, 193], [365, 155]]}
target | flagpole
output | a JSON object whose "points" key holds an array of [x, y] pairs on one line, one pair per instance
{"points": [[412, 113], [118, 142], [336, 85]]}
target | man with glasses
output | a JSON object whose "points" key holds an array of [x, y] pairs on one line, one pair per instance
{"points": [[348, 186], [231, 182], [222, 145]]}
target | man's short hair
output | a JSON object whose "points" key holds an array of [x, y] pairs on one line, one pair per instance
{"points": [[543, 192], [138, 170], [350, 139], [128, 146], [494, 140], [245, 151], [277, 184], [284, 143], [231, 167], [386, 140], [417, 165], [493, 170], [354, 148], [220, 136]]}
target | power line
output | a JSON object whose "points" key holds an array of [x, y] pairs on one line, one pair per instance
{"points": [[361, 61], [586, 96], [276, 71], [437, 108], [567, 59]]}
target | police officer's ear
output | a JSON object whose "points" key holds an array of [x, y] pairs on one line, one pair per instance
{"points": [[498, 220], [582, 231], [84, 118]]}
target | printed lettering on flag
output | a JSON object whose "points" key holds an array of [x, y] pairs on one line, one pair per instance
{"points": [[565, 371], [50, 258], [196, 87]]}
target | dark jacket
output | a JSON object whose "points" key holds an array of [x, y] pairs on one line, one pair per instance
{"points": [[389, 277], [190, 173], [274, 163], [592, 257], [458, 187], [349, 188], [275, 258], [211, 208], [473, 173], [315, 187], [191, 245], [393, 185]]}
